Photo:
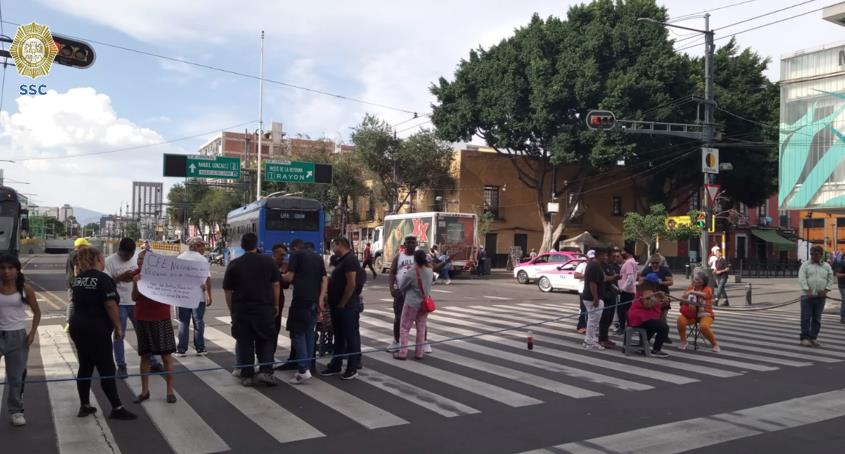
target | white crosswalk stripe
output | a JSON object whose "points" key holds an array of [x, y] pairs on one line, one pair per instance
{"points": [[488, 339], [74, 435]]}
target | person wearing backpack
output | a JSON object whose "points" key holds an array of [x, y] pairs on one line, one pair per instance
{"points": [[416, 285]]}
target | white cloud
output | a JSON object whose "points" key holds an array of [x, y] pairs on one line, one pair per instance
{"points": [[72, 125]]}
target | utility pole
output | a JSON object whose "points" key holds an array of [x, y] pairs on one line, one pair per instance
{"points": [[709, 129], [260, 118]]}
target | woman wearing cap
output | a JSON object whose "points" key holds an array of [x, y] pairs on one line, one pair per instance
{"points": [[697, 305], [645, 313]]}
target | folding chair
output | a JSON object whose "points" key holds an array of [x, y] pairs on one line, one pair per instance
{"points": [[694, 332]]}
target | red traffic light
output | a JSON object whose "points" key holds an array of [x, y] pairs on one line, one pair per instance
{"points": [[72, 52], [601, 119]]}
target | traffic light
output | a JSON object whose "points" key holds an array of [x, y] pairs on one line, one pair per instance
{"points": [[601, 119], [72, 52], [701, 220]]}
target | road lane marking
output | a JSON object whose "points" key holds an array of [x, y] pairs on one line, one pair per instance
{"points": [[191, 434], [697, 433], [73, 435], [257, 407], [48, 296], [441, 291], [506, 372], [713, 359], [386, 300], [501, 298], [359, 411]]}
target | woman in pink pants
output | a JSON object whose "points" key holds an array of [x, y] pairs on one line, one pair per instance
{"points": [[415, 284]]}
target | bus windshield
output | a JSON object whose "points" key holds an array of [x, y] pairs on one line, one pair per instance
{"points": [[292, 220]]}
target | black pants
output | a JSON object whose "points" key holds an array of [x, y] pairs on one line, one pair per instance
{"points": [[256, 336], [93, 340], [582, 317], [625, 300], [347, 336], [398, 306], [292, 356], [369, 264], [658, 327], [607, 318]]}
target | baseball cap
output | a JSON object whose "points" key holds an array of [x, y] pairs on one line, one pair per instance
{"points": [[81, 242], [591, 254], [195, 241], [715, 249]]}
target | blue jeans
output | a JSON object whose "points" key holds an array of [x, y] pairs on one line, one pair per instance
{"points": [[185, 317], [126, 312], [303, 344], [721, 290], [811, 316]]}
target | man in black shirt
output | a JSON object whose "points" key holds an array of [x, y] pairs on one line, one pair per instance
{"points": [[611, 270], [307, 273], [252, 291], [722, 269], [594, 283], [345, 286]]}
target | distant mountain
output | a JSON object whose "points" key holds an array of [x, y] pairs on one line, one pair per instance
{"points": [[85, 216]]}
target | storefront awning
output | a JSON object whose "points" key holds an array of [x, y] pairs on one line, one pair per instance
{"points": [[771, 236]]}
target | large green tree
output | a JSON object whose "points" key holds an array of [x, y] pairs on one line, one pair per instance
{"points": [[214, 206], [401, 166], [525, 97]]}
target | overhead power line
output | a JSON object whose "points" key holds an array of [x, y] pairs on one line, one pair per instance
{"points": [[136, 147], [241, 74], [769, 13], [690, 15]]}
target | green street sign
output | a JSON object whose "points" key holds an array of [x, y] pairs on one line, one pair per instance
{"points": [[289, 172], [199, 166]]}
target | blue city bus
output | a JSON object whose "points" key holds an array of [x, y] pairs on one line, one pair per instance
{"points": [[275, 220]]}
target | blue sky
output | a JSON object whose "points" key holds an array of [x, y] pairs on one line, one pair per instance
{"points": [[385, 52]]}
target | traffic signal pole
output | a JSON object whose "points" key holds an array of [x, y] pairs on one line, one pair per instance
{"points": [[709, 129], [260, 119]]}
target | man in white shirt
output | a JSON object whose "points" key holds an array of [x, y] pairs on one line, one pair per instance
{"points": [[196, 247], [581, 327], [121, 267]]}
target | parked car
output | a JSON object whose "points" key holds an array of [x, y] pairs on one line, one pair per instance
{"points": [[531, 270], [561, 277]]}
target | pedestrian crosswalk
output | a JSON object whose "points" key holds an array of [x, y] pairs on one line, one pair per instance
{"points": [[480, 365]]}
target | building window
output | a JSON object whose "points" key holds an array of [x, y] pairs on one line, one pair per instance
{"points": [[743, 209], [491, 200], [617, 206], [695, 201], [784, 220], [763, 211]]}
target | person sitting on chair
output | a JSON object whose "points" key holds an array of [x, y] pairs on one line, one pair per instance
{"points": [[645, 313], [697, 304]]}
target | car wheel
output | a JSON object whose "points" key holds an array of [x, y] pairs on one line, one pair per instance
{"points": [[522, 277], [545, 284], [379, 264]]}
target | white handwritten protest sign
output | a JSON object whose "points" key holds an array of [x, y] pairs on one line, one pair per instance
{"points": [[172, 281]]}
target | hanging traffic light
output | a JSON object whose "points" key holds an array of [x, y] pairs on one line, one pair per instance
{"points": [[701, 220], [601, 119], [73, 52]]}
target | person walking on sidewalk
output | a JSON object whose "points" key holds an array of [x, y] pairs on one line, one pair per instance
{"points": [[839, 269], [594, 283], [94, 318], [15, 296], [400, 265], [154, 331], [368, 260], [344, 298], [416, 285], [251, 286], [721, 269], [307, 273], [120, 266], [196, 247], [816, 280], [627, 287]]}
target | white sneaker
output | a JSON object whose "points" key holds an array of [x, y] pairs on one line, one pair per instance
{"points": [[393, 347], [180, 354], [716, 349], [300, 378], [427, 349], [592, 346], [18, 419], [449, 282], [236, 372], [682, 346]]}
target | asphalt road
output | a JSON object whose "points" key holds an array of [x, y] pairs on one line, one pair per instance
{"points": [[478, 395]]}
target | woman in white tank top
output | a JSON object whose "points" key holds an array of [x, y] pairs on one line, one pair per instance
{"points": [[15, 295]]}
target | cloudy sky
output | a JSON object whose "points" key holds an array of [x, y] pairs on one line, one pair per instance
{"points": [[128, 104]]}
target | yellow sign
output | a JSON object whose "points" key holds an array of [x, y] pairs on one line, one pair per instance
{"points": [[33, 50], [673, 222]]}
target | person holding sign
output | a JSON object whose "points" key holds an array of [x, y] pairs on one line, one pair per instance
{"points": [[196, 247], [155, 336]]}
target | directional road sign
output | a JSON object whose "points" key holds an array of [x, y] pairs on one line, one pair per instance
{"points": [[297, 172], [199, 166]]}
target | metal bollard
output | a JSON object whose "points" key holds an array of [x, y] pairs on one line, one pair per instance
{"points": [[748, 294], [687, 270]]}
